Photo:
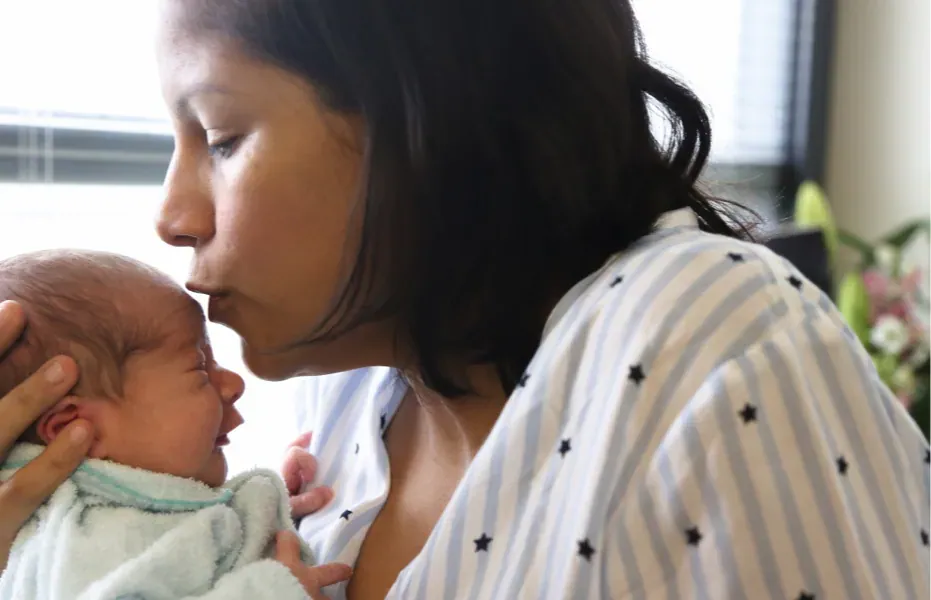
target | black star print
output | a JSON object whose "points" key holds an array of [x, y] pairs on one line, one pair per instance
{"points": [[842, 465], [795, 282], [585, 550], [928, 456], [481, 544], [735, 257], [748, 413], [636, 374], [693, 536], [357, 446], [522, 382], [617, 281], [924, 537], [803, 595], [565, 446], [382, 421], [346, 514]]}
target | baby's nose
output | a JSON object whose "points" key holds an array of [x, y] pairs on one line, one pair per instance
{"points": [[230, 385]]}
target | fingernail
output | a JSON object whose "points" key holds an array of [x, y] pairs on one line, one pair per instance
{"points": [[79, 434], [55, 373]]}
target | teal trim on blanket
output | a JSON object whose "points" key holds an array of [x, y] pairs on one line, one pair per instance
{"points": [[223, 498]]}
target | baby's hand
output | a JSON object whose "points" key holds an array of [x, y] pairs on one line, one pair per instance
{"points": [[314, 579], [300, 468]]}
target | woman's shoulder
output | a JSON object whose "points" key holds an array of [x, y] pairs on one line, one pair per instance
{"points": [[687, 285], [681, 324]]}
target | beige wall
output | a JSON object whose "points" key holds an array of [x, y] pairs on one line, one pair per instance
{"points": [[879, 132]]}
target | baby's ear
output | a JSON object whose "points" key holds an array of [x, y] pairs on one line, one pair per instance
{"points": [[68, 410]]}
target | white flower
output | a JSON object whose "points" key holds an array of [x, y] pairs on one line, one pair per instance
{"points": [[887, 258], [890, 335], [903, 380]]}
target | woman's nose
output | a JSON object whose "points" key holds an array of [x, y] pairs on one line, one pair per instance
{"points": [[186, 216], [229, 384]]}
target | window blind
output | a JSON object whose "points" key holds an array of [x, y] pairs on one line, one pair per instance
{"points": [[79, 99]]}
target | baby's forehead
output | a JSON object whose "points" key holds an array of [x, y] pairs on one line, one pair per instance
{"points": [[175, 319]]}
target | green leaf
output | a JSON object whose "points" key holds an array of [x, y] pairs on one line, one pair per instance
{"points": [[866, 250], [902, 236], [853, 302], [886, 364], [812, 210]]}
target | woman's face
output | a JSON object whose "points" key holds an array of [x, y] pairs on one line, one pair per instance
{"points": [[263, 185]]}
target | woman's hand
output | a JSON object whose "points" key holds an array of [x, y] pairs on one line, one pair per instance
{"points": [[22, 494], [299, 469], [313, 578]]}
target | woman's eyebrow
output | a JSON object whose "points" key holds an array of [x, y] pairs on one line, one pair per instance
{"points": [[183, 103]]}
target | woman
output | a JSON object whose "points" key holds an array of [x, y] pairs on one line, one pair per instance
{"points": [[550, 367]]}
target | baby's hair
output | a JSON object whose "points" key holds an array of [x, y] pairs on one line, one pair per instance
{"points": [[83, 304]]}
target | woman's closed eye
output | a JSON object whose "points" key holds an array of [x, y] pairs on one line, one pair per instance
{"points": [[224, 148]]}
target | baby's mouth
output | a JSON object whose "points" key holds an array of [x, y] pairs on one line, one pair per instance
{"points": [[221, 441]]}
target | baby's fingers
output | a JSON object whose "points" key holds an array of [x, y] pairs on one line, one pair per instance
{"points": [[299, 467], [287, 549], [331, 573], [310, 502]]}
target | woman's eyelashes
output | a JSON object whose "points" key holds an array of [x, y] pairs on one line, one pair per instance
{"points": [[223, 149]]}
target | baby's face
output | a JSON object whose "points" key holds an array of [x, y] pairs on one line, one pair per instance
{"points": [[177, 407]]}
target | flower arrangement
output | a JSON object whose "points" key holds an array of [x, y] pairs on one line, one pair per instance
{"points": [[883, 301]]}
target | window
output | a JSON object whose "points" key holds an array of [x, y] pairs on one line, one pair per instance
{"points": [[119, 219], [84, 141], [736, 56]]}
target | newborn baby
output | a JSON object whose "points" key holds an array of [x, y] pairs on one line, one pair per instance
{"points": [[148, 514]]}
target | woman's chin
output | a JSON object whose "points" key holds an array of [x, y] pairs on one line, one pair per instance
{"points": [[270, 366]]}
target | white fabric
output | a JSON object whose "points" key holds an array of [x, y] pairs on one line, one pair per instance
{"points": [[113, 531], [698, 422]]}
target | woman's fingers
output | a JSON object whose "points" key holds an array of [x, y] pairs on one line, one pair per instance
{"points": [[12, 321], [32, 484], [21, 407], [299, 467], [310, 502], [22, 494]]}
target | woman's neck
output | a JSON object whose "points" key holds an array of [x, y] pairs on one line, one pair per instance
{"points": [[456, 428]]}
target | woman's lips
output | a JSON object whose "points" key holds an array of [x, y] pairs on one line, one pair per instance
{"points": [[220, 309], [218, 302], [215, 306]]}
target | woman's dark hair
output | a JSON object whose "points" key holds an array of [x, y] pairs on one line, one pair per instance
{"points": [[509, 155]]}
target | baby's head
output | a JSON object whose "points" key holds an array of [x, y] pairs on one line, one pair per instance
{"points": [[148, 381]]}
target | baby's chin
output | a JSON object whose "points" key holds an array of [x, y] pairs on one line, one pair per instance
{"points": [[214, 473]]}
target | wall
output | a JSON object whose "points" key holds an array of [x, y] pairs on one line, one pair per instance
{"points": [[879, 138]]}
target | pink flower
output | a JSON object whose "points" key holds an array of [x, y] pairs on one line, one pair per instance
{"points": [[898, 308], [877, 284], [911, 282]]}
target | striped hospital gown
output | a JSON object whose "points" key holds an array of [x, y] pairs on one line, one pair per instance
{"points": [[697, 423]]}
